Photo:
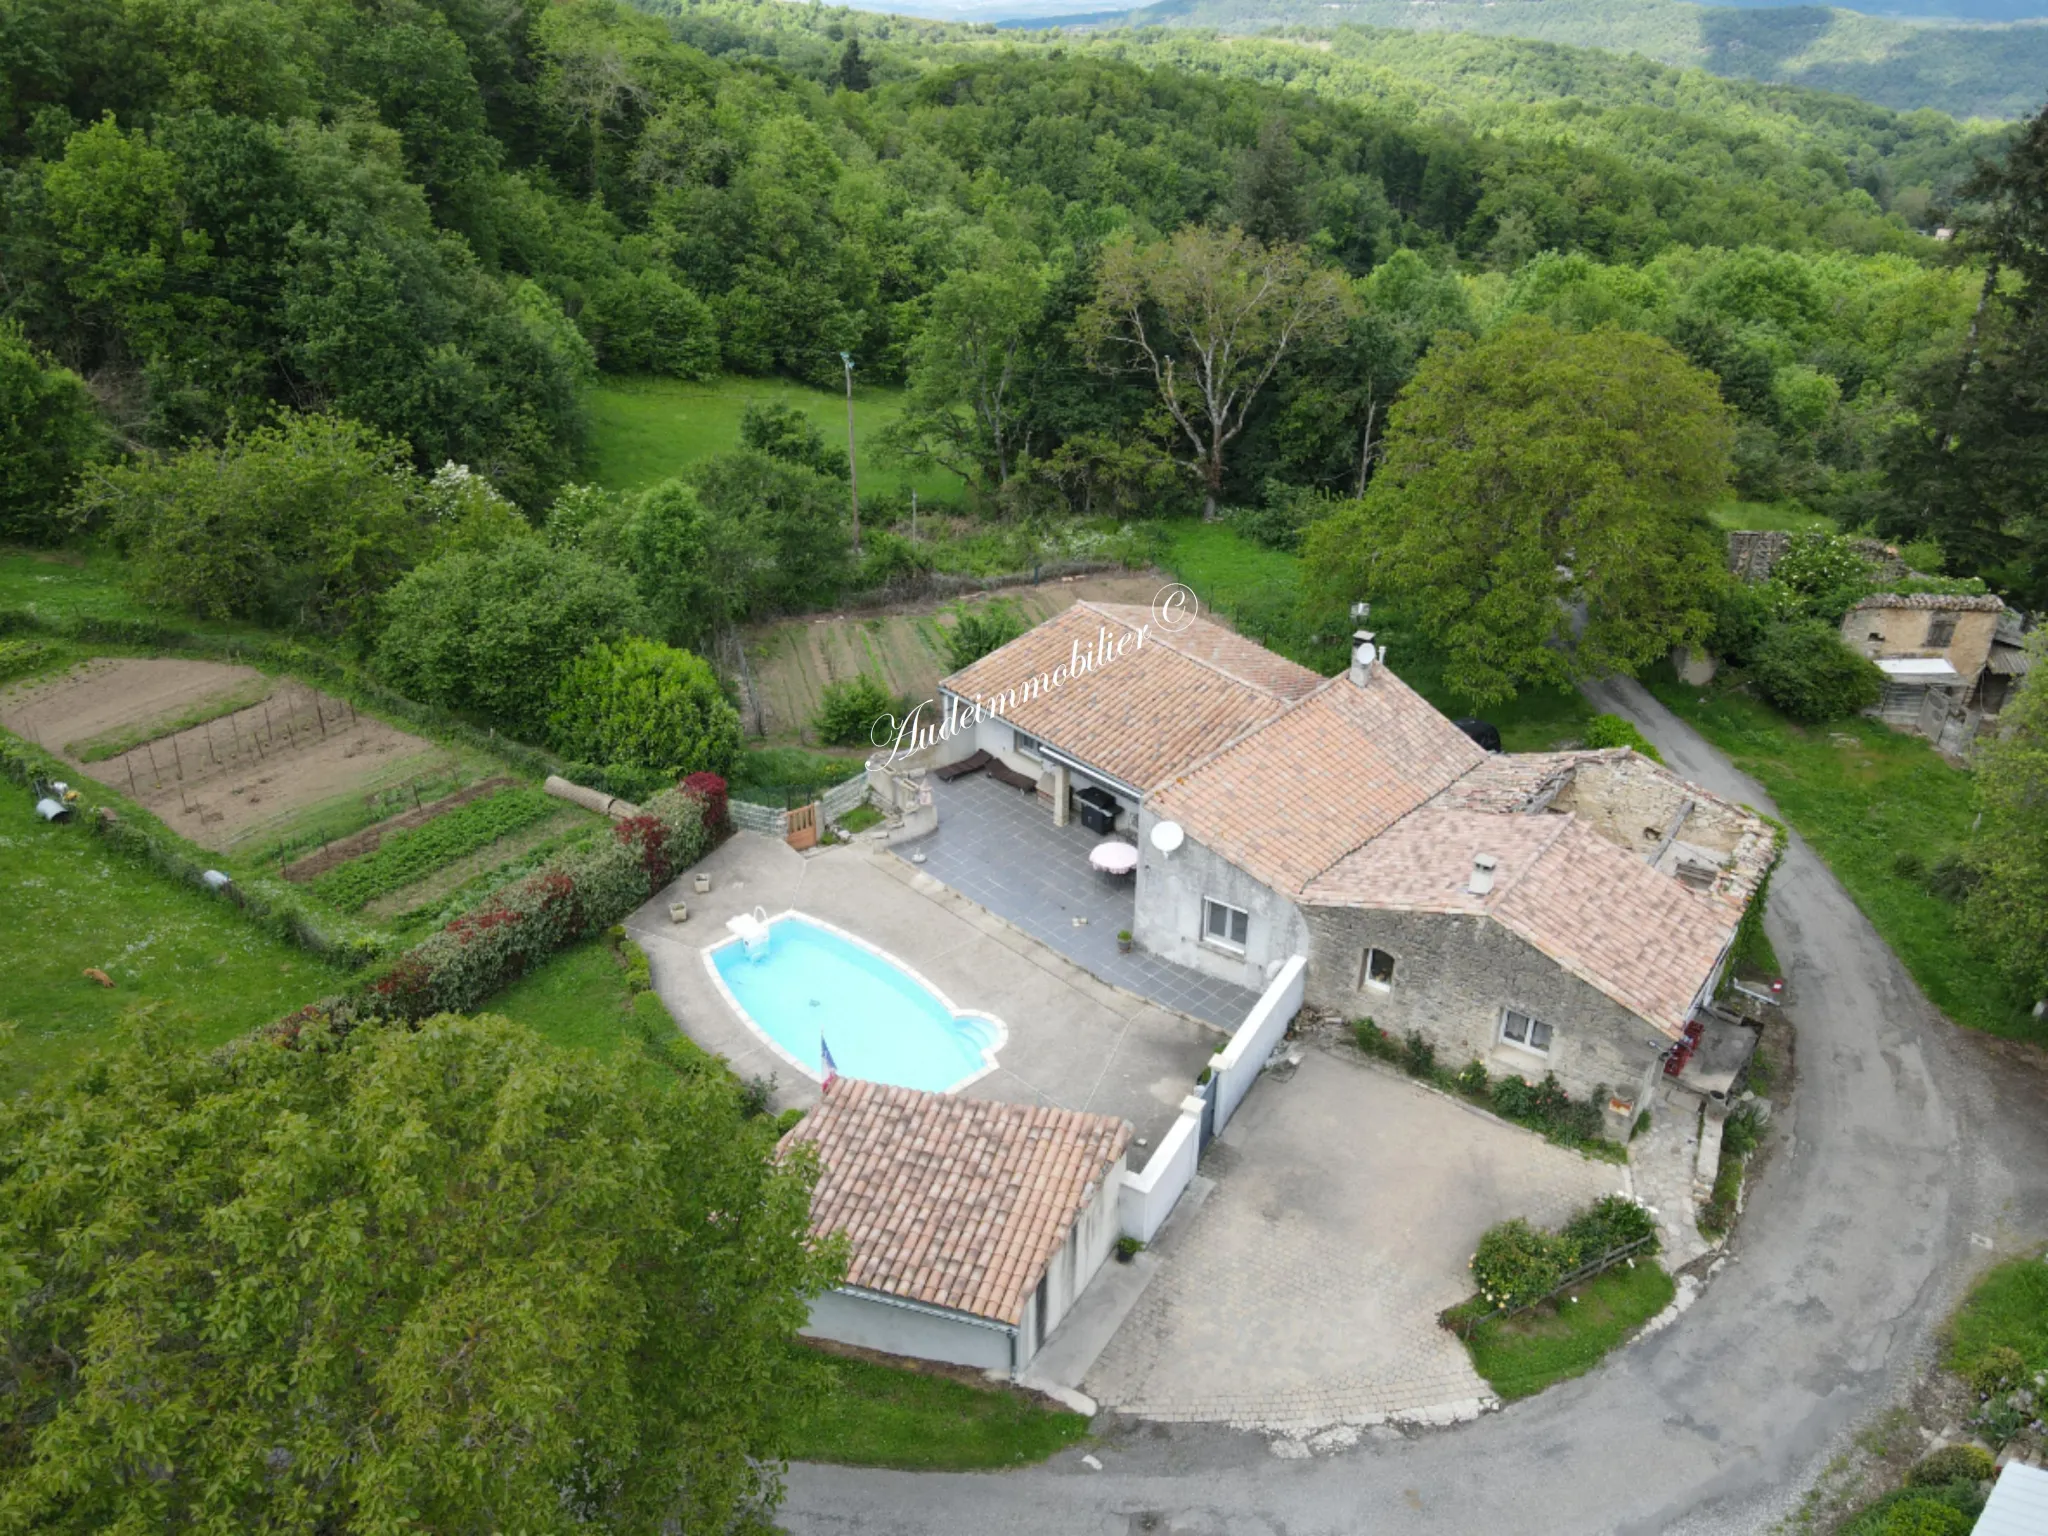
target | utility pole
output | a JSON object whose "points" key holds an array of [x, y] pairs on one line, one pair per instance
{"points": [[852, 471], [913, 514]]}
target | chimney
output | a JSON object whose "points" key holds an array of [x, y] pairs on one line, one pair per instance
{"points": [[1363, 654], [1483, 865]]}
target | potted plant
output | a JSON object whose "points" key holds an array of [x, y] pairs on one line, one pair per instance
{"points": [[1128, 1248], [703, 884], [1123, 941]]}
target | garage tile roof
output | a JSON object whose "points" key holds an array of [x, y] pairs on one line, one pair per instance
{"points": [[1299, 793], [1171, 698], [1599, 911], [954, 1202]]}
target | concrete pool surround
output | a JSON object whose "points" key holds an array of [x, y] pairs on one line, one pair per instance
{"points": [[970, 1022]]}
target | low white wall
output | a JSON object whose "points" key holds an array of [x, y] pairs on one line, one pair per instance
{"points": [[1236, 1067], [758, 818], [1147, 1198], [873, 1323], [841, 798]]}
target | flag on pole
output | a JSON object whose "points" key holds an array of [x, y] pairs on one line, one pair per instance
{"points": [[831, 1067]]}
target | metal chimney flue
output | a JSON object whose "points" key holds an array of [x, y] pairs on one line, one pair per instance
{"points": [[1483, 866]]}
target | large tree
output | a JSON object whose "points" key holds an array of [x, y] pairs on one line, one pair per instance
{"points": [[300, 522], [1541, 511], [1207, 316], [1970, 467], [435, 1278], [2009, 907], [648, 707], [49, 432], [491, 631], [966, 411]]}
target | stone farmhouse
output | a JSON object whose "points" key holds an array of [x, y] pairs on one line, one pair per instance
{"points": [[1562, 912], [1948, 659]]}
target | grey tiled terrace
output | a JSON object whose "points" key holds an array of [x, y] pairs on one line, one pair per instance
{"points": [[997, 846]]}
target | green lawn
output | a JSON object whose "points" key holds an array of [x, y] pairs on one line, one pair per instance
{"points": [[63, 584], [79, 904], [1522, 1355], [878, 1416], [645, 430], [1259, 589], [2008, 1307], [1771, 516], [577, 999], [1876, 804]]}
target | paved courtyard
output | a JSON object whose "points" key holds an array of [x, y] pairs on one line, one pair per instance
{"points": [[1305, 1291], [997, 846], [1074, 1042]]}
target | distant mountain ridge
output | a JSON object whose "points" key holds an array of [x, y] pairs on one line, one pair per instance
{"points": [[1993, 69]]}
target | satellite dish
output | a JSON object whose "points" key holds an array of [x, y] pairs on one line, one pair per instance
{"points": [[1168, 835]]}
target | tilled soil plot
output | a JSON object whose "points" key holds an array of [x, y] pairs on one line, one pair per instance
{"points": [[221, 782]]}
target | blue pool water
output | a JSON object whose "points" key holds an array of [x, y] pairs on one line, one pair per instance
{"points": [[883, 1024]]}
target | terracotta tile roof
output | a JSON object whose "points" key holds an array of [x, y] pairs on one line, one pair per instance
{"points": [[1170, 699], [951, 1201], [1341, 766], [1960, 602], [1599, 911]]}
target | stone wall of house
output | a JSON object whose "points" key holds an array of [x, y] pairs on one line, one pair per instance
{"points": [[1904, 632], [1453, 976], [1630, 801], [1752, 552], [1171, 888]]}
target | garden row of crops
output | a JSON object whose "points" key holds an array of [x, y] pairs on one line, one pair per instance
{"points": [[412, 855]]}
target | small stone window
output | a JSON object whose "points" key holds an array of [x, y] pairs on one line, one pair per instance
{"points": [[1025, 746], [1376, 970], [1941, 631], [1518, 1028], [1223, 925]]}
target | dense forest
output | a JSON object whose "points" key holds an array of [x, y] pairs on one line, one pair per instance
{"points": [[1969, 69], [439, 222]]}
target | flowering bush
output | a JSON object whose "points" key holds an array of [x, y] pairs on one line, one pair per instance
{"points": [[1517, 1263], [585, 889], [711, 789]]}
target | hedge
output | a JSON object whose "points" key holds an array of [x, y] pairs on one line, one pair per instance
{"points": [[1517, 1265], [585, 889]]}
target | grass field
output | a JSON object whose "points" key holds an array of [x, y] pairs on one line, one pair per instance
{"points": [[577, 1000], [61, 584], [2008, 1307], [1258, 590], [878, 1416], [1770, 516], [166, 945], [1879, 806], [1520, 1356], [645, 430]]}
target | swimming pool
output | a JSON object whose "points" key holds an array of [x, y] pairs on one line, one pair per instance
{"points": [[811, 985]]}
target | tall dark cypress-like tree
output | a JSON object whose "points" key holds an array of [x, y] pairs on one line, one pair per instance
{"points": [[1971, 469], [853, 73]]}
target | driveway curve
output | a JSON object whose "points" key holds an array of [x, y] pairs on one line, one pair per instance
{"points": [[1905, 1140]]}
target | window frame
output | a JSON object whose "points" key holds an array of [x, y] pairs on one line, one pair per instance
{"points": [[1024, 744], [1530, 1024], [1941, 631], [1366, 981], [1226, 944]]}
